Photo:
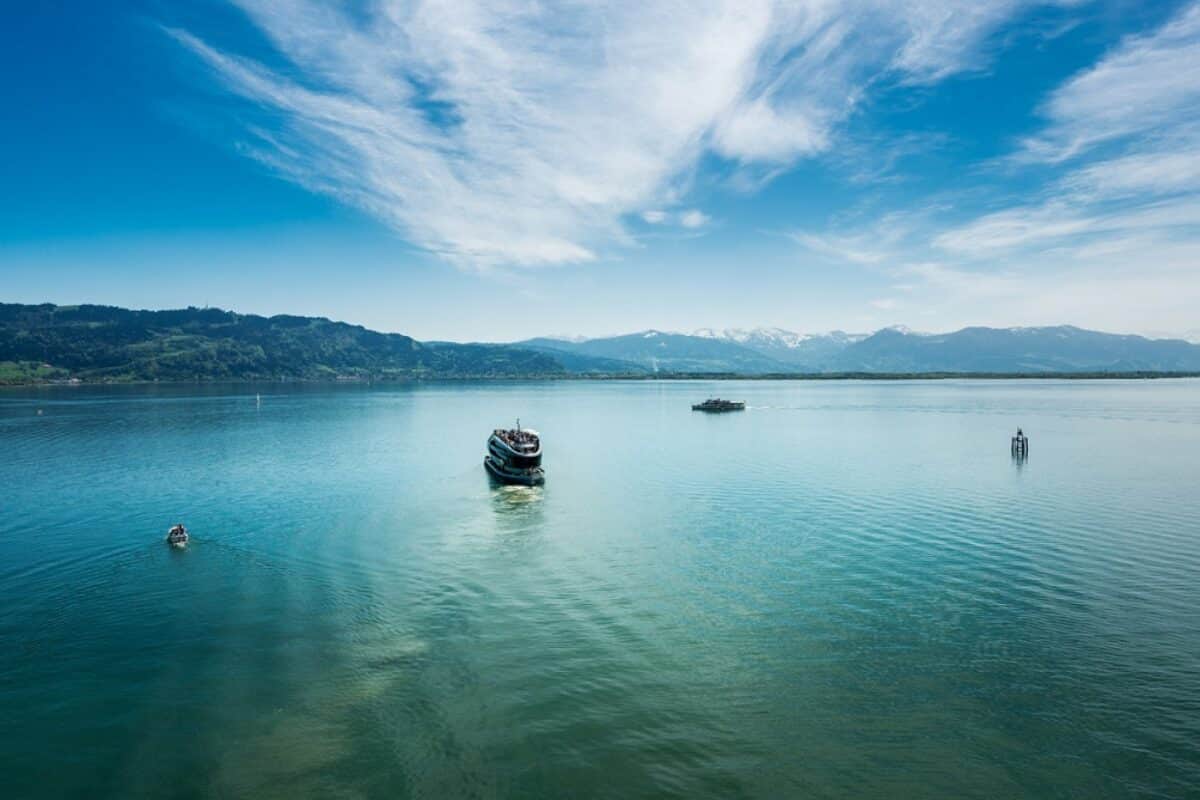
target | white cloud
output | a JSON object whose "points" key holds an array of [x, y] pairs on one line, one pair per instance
{"points": [[880, 241], [1110, 234], [1147, 82], [1143, 101], [690, 218], [854, 248], [1036, 226], [1159, 167], [756, 131], [944, 38], [1014, 228], [508, 132]]}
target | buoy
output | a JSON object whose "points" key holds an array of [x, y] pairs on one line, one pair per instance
{"points": [[1020, 444]]}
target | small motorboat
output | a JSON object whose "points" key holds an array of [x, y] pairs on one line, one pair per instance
{"points": [[177, 536]]}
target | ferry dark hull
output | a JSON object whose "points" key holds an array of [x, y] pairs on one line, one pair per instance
{"points": [[534, 476]]}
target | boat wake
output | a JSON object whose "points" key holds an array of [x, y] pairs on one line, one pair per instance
{"points": [[519, 495]]}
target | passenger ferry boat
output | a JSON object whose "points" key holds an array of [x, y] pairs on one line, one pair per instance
{"points": [[515, 456], [717, 404]]}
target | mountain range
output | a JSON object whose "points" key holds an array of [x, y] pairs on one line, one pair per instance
{"points": [[1062, 348], [804, 350], [104, 343]]}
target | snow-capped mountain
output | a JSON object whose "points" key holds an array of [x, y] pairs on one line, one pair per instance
{"points": [[659, 351], [890, 350], [811, 350], [771, 337]]}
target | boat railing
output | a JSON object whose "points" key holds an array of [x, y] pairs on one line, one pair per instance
{"points": [[518, 440]]}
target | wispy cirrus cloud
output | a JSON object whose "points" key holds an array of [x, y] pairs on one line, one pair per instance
{"points": [[1165, 167], [1066, 225], [880, 241], [1127, 131], [855, 247], [1146, 84], [1113, 225], [518, 133]]}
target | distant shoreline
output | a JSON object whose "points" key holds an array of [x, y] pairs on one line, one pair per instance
{"points": [[674, 376], [48, 344]]}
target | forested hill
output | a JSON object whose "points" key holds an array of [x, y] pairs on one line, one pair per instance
{"points": [[104, 343]]}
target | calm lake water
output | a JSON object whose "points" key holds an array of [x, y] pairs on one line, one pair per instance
{"points": [[848, 590]]}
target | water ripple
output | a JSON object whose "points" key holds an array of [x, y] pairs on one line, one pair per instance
{"points": [[839, 592]]}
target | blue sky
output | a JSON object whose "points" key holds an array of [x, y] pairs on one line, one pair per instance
{"points": [[495, 170]]}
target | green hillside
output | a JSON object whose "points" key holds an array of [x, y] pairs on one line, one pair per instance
{"points": [[104, 343]]}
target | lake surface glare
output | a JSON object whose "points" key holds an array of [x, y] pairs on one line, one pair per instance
{"points": [[850, 589]]}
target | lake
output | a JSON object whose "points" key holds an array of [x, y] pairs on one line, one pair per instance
{"points": [[850, 589]]}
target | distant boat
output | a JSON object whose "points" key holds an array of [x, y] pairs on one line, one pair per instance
{"points": [[717, 404], [515, 456], [177, 536]]}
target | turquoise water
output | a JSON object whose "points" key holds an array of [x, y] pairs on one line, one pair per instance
{"points": [[848, 590]]}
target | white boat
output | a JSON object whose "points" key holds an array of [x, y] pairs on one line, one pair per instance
{"points": [[515, 456], [177, 536]]}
